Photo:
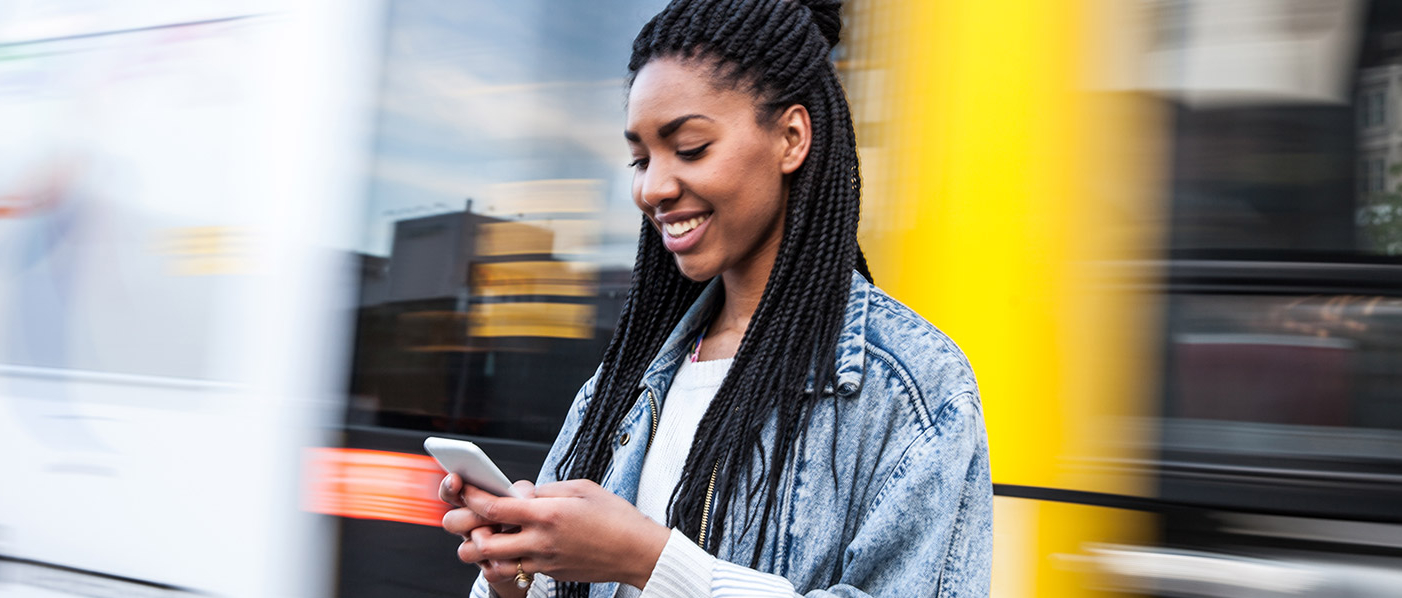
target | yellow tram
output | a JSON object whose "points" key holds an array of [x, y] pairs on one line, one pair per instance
{"points": [[1165, 235]]}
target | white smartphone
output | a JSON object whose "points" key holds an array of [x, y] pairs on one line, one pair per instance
{"points": [[471, 464]]}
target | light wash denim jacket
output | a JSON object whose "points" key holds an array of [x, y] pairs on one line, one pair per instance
{"points": [[910, 513]]}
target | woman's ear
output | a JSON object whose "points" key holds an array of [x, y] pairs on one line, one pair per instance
{"points": [[797, 131]]}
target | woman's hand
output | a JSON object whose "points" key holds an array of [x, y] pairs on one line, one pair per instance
{"points": [[571, 531], [467, 524]]}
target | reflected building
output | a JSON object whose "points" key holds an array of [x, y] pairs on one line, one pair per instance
{"points": [[473, 325], [1379, 131], [1379, 143]]}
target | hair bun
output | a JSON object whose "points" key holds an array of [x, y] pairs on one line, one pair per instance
{"points": [[828, 15]]}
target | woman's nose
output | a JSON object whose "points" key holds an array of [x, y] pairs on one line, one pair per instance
{"points": [[659, 184]]}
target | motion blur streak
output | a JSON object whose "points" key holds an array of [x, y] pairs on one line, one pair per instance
{"points": [[174, 288], [373, 485]]}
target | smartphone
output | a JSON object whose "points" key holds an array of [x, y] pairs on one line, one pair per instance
{"points": [[471, 464]]}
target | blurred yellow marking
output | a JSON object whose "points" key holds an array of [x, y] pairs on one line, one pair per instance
{"points": [[532, 278], [206, 250], [513, 238], [550, 320]]}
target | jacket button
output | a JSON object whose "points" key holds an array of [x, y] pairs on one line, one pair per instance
{"points": [[623, 440]]}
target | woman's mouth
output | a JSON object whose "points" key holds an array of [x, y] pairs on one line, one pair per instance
{"points": [[678, 229], [681, 236]]}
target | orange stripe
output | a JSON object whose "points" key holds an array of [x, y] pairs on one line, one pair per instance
{"points": [[366, 484]]}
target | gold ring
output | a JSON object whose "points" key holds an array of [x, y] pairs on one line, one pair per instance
{"points": [[523, 581]]}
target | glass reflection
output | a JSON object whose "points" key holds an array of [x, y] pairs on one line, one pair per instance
{"points": [[500, 235]]}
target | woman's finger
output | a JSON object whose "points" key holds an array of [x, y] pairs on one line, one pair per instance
{"points": [[468, 552], [471, 548], [450, 490], [501, 509], [503, 570], [462, 521], [565, 489], [477, 536], [503, 546], [495, 571]]}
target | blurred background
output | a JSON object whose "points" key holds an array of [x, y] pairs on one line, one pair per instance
{"points": [[252, 253]]}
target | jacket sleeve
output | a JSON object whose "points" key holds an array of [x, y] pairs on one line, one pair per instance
{"points": [[928, 532]]}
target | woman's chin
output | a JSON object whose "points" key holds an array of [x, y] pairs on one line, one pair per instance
{"points": [[692, 268]]}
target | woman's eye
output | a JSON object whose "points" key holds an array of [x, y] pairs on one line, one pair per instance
{"points": [[638, 163], [692, 154]]}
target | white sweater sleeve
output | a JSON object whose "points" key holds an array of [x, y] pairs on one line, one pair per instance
{"points": [[480, 589], [684, 570]]}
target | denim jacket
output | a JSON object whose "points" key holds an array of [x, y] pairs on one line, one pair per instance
{"points": [[910, 513]]}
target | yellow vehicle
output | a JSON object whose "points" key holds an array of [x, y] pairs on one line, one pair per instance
{"points": [[1165, 233]]}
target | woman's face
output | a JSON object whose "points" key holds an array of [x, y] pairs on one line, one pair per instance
{"points": [[707, 174]]}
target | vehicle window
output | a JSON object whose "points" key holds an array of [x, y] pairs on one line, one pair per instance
{"points": [[1288, 375], [1284, 312], [1285, 136]]}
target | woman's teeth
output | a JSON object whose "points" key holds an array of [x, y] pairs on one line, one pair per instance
{"points": [[677, 229]]}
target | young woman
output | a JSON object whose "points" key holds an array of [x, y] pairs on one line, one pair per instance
{"points": [[765, 421]]}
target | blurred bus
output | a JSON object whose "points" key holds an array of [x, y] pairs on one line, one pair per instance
{"points": [[176, 191]]}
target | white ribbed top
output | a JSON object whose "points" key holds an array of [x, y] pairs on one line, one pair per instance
{"points": [[693, 387]]}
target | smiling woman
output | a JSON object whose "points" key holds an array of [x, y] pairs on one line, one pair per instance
{"points": [[821, 438]]}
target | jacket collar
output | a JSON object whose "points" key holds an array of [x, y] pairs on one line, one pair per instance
{"points": [[851, 341]]}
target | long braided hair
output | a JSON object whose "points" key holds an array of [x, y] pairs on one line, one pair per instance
{"points": [[779, 51]]}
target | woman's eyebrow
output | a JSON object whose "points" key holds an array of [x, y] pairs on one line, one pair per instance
{"points": [[666, 130]]}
